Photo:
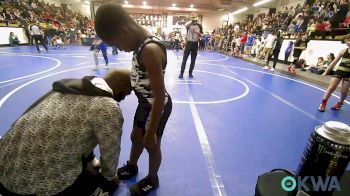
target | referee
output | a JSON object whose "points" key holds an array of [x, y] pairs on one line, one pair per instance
{"points": [[38, 37], [194, 31]]}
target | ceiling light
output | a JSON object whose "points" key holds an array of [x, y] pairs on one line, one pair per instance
{"points": [[174, 4], [126, 2], [144, 3], [191, 6], [240, 11], [260, 3]]}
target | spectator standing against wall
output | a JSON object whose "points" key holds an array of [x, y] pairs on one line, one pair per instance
{"points": [[299, 46], [243, 42], [269, 43], [249, 43], [276, 50]]}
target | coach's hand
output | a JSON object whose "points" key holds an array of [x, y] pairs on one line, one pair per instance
{"points": [[150, 140]]}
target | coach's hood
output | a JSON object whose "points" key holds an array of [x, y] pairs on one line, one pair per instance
{"points": [[79, 87]]}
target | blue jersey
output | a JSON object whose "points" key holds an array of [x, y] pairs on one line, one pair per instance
{"points": [[101, 46], [250, 40]]}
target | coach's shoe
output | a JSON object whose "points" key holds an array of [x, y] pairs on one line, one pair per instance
{"points": [[127, 172], [337, 106], [190, 75], [181, 76], [144, 186], [266, 67]]}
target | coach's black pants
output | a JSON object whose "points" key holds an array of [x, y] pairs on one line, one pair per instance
{"points": [[275, 54], [191, 47]]}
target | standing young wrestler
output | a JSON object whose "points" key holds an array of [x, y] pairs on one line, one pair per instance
{"points": [[341, 74], [115, 26], [100, 45]]}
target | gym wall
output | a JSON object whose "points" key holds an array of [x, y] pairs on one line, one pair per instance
{"points": [[5, 34]]}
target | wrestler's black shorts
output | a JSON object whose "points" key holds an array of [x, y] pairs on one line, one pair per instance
{"points": [[142, 116]]}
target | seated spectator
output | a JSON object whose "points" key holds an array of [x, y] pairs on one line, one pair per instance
{"points": [[330, 59], [305, 21], [291, 29], [238, 45], [56, 136], [301, 63], [57, 42], [311, 30], [320, 28], [324, 29], [237, 52], [233, 45], [201, 44], [257, 46], [328, 29], [319, 67], [7, 14], [339, 16], [17, 14], [206, 40], [299, 22], [249, 43], [13, 39], [67, 36]]}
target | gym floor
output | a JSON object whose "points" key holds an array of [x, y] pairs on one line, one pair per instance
{"points": [[232, 122]]}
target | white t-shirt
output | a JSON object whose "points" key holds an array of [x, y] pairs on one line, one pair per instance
{"points": [[35, 30], [270, 41]]}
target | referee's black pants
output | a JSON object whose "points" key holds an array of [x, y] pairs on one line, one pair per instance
{"points": [[191, 47], [37, 39]]}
